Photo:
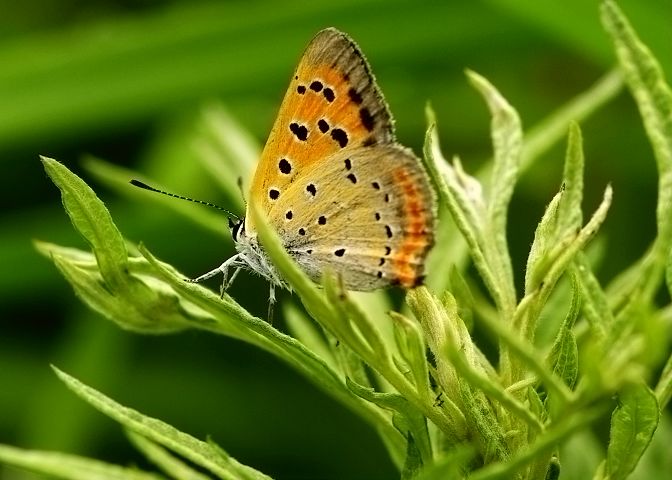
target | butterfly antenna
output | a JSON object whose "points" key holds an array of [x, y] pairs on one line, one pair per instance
{"points": [[240, 188], [140, 184]]}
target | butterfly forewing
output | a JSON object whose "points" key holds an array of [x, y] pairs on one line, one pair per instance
{"points": [[332, 104], [365, 213]]}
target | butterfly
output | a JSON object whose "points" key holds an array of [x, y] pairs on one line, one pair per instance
{"points": [[332, 181]]}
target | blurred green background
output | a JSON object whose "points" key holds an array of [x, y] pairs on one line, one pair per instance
{"points": [[126, 81]]}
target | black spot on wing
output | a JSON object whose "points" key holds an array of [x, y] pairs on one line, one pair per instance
{"points": [[323, 125], [300, 131], [329, 94], [366, 118], [340, 137], [355, 96], [284, 166]]}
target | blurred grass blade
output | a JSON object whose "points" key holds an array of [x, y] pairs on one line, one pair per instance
{"points": [[664, 387], [226, 149], [117, 178], [199, 452], [543, 135], [69, 467]]}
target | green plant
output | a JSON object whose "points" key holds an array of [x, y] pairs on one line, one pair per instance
{"points": [[440, 406]]}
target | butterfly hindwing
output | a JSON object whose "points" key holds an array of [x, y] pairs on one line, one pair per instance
{"points": [[366, 213]]}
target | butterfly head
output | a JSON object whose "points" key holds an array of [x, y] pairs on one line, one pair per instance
{"points": [[237, 228]]}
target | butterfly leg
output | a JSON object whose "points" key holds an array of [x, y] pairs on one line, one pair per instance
{"points": [[223, 269], [227, 282], [271, 303]]}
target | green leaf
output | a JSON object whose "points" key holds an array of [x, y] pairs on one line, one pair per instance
{"points": [[413, 462], [93, 221], [564, 355], [351, 314], [595, 305], [451, 465], [458, 286], [463, 196], [632, 426], [197, 451], [150, 307], [69, 467], [312, 298], [570, 214], [412, 348], [305, 330], [653, 95], [545, 244], [408, 419], [460, 374], [231, 319], [507, 139], [668, 273], [562, 218], [545, 443], [664, 386], [114, 285], [162, 458]]}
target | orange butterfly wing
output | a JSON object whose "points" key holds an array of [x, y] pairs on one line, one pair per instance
{"points": [[332, 103]]}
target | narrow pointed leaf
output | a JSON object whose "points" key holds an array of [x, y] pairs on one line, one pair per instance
{"points": [[632, 426], [165, 460], [653, 95], [197, 451], [93, 221]]}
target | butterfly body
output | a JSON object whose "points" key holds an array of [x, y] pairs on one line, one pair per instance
{"points": [[340, 192]]}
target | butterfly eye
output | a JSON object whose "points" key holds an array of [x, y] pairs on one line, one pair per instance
{"points": [[235, 229]]}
